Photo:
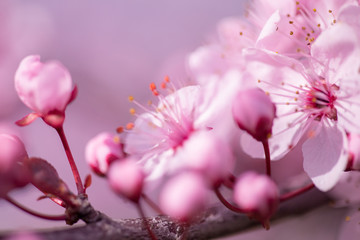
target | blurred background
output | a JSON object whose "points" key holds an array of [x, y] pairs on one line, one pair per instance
{"points": [[113, 49]]}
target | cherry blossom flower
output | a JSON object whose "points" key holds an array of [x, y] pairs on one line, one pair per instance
{"points": [[46, 88], [158, 136], [320, 101], [102, 150]]}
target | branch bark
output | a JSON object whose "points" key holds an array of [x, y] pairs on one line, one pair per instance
{"points": [[215, 222]]}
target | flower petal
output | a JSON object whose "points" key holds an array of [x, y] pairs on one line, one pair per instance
{"points": [[325, 158]]}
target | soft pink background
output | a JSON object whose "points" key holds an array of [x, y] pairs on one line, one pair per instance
{"points": [[113, 49]]}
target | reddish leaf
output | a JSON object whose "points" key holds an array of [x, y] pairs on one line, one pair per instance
{"points": [[88, 181], [45, 177]]}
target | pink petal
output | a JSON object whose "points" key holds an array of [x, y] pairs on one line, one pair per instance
{"points": [[325, 158]]}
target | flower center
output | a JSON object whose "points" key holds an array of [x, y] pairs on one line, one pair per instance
{"points": [[320, 99]]}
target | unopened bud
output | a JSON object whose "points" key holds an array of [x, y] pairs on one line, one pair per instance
{"points": [[46, 88], [257, 194], [184, 196], [102, 150], [254, 112], [13, 174], [126, 178], [354, 151]]}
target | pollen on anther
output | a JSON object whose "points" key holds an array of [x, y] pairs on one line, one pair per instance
{"points": [[120, 129], [152, 86], [131, 98], [314, 9], [163, 85], [132, 111], [116, 139], [130, 126]]}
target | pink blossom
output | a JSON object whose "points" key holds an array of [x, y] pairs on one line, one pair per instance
{"points": [[254, 112], [102, 150], [183, 196], [46, 88], [319, 101], [126, 179], [257, 194], [12, 172], [158, 135]]}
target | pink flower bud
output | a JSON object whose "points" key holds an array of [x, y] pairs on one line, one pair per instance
{"points": [[12, 172], [257, 194], [102, 150], [354, 151], [254, 112], [46, 88], [184, 196], [209, 155], [126, 178]]}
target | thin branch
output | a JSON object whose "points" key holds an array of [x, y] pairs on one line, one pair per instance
{"points": [[215, 222]]}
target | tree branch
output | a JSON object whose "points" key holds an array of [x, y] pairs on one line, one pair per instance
{"points": [[215, 222]]}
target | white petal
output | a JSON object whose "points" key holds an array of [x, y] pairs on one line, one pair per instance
{"points": [[325, 157]]}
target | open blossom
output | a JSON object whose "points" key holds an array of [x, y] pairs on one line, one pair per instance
{"points": [[320, 100], [102, 150], [159, 135], [12, 171], [46, 88]]}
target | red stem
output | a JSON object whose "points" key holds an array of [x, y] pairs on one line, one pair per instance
{"points": [[267, 157], [142, 215], [295, 193], [79, 185], [152, 204], [227, 204], [34, 213]]}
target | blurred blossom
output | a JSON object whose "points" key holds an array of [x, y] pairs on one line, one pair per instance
{"points": [[183, 196], [102, 150]]}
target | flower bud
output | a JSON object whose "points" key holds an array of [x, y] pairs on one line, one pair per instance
{"points": [[254, 112], [126, 178], [354, 151], [209, 155], [102, 150], [13, 174], [184, 196], [257, 194], [46, 88]]}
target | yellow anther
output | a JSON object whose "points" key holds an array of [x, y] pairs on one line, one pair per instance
{"points": [[291, 32], [314, 9], [116, 139], [131, 98], [313, 99], [132, 111], [241, 33]]}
